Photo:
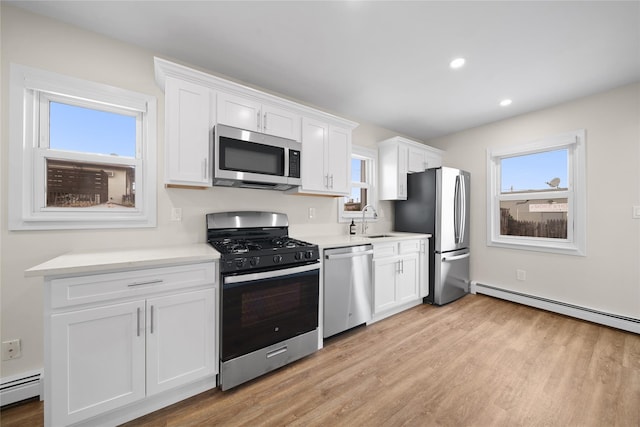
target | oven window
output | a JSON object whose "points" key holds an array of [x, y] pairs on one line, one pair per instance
{"points": [[268, 303], [243, 156], [259, 313]]}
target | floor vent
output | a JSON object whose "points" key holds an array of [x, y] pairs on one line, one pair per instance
{"points": [[20, 387], [620, 322]]}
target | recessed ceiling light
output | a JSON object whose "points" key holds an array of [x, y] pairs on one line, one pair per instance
{"points": [[457, 63], [505, 102]]}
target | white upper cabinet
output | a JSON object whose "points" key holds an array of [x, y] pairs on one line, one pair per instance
{"points": [[398, 157], [326, 158], [189, 118], [195, 102], [246, 113]]}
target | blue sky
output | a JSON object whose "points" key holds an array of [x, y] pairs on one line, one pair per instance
{"points": [[533, 171], [80, 129]]}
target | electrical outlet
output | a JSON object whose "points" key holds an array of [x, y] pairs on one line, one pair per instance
{"points": [[176, 214], [636, 212], [521, 275], [11, 349]]}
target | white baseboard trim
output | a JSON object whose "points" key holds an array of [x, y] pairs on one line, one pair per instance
{"points": [[620, 322], [20, 387]]}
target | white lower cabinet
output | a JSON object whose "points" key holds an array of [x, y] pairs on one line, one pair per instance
{"points": [[155, 337], [396, 267], [97, 361]]}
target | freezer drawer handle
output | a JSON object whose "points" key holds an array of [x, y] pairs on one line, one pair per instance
{"points": [[455, 258]]}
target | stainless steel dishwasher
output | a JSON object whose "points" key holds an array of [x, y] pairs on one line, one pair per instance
{"points": [[348, 282]]}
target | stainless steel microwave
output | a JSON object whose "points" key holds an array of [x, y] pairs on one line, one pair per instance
{"points": [[250, 159]]}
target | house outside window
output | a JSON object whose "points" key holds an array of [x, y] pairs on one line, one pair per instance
{"points": [[537, 195], [84, 156], [363, 190]]}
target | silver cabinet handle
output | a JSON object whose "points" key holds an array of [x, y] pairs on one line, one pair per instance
{"points": [[151, 319], [148, 282], [264, 122], [138, 322], [331, 180], [258, 120], [206, 168]]}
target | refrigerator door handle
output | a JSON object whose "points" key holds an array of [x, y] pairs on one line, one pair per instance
{"points": [[455, 258], [456, 211], [463, 208]]}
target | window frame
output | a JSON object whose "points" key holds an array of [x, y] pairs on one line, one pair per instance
{"points": [[371, 156], [575, 243], [30, 91]]}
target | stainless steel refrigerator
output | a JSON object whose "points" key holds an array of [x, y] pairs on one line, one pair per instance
{"points": [[438, 203]]}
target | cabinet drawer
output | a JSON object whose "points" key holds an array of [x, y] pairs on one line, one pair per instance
{"points": [[381, 250], [409, 246], [103, 287]]}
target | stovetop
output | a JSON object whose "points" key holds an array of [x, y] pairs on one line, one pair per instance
{"points": [[231, 246], [256, 240], [238, 255]]}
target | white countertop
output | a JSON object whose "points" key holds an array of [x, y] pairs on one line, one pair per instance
{"points": [[119, 259], [342, 240]]}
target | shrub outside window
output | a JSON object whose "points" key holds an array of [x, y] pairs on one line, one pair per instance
{"points": [[537, 195]]}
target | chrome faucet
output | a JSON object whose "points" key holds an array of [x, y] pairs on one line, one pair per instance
{"points": [[364, 219]]}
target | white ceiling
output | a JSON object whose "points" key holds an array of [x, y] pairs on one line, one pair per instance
{"points": [[387, 62]]}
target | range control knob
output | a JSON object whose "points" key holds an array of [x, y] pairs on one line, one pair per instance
{"points": [[299, 255], [308, 254], [254, 261], [240, 262], [277, 259]]}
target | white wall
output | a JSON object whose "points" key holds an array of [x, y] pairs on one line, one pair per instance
{"points": [[608, 278], [34, 41]]}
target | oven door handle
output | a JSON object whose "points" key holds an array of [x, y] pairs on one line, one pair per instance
{"points": [[270, 274]]}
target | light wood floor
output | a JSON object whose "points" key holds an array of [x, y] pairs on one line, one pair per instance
{"points": [[477, 362]]}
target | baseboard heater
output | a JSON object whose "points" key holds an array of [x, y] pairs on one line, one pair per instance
{"points": [[20, 387], [620, 322]]}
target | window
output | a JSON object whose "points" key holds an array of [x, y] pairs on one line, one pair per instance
{"points": [[537, 195], [84, 155], [362, 192]]}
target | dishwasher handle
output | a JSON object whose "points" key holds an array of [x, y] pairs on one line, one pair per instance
{"points": [[349, 255], [345, 255]]}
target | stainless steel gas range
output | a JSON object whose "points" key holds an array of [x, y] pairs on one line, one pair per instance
{"points": [[268, 297]]}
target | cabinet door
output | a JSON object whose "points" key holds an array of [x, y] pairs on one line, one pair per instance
{"points": [[339, 160], [188, 118], [433, 160], [180, 339], [239, 112], [407, 282], [424, 268], [403, 152], [97, 361], [314, 141], [279, 122], [417, 160], [384, 288]]}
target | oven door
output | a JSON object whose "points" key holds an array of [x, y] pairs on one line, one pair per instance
{"points": [[261, 309]]}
